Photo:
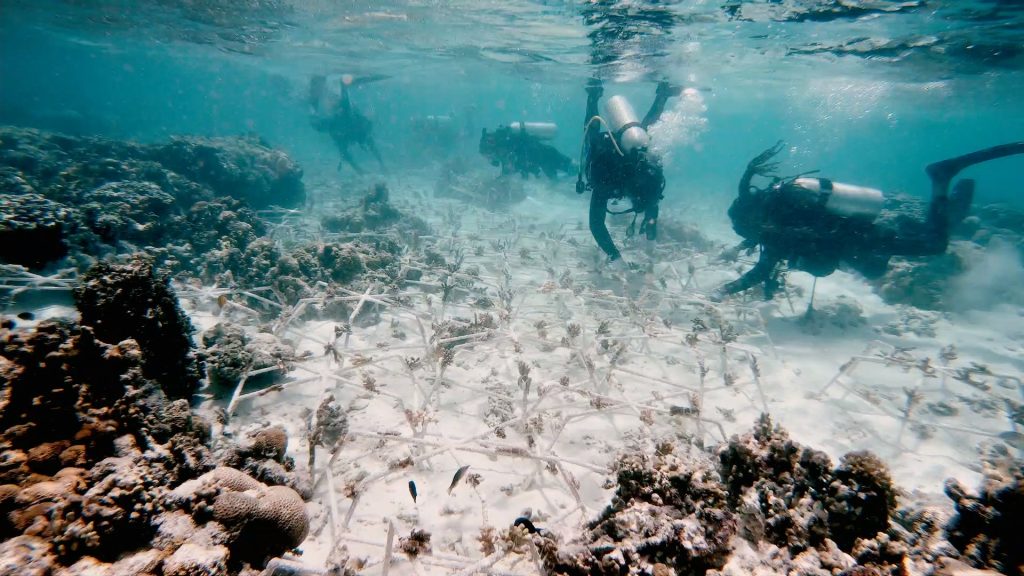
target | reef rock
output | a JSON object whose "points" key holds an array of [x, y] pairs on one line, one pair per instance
{"points": [[32, 230], [26, 556], [666, 510], [178, 200], [375, 213], [796, 499], [230, 353], [986, 528], [244, 168], [129, 301]]}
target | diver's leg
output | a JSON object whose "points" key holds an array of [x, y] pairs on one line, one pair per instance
{"points": [[598, 228], [960, 201], [906, 237], [594, 92], [346, 156], [346, 101], [650, 224], [943, 172], [372, 147]]}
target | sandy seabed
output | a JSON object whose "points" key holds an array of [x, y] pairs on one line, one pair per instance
{"points": [[555, 367]]}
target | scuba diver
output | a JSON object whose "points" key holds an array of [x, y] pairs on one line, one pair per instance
{"points": [[340, 120], [816, 225], [616, 164], [518, 147]]}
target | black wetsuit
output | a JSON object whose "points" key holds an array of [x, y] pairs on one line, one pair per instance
{"points": [[610, 175], [516, 151], [791, 224], [346, 126]]}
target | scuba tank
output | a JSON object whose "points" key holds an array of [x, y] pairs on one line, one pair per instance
{"points": [[624, 123], [844, 199], [433, 122], [541, 130]]}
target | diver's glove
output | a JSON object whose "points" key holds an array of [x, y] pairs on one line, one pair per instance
{"points": [[594, 88], [581, 186], [668, 90], [619, 266], [760, 165]]}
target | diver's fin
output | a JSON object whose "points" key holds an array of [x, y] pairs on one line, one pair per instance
{"points": [[360, 79], [960, 201], [943, 172]]}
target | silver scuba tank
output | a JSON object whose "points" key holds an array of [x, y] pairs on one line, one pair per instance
{"points": [[542, 130], [845, 199], [624, 123]]}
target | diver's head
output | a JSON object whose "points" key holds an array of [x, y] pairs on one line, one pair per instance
{"points": [[746, 214], [489, 146]]}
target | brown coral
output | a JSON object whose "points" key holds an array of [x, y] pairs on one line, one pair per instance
{"points": [[270, 443]]}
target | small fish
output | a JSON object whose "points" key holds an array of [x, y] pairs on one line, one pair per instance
{"points": [[26, 316], [458, 476], [412, 490], [222, 301]]}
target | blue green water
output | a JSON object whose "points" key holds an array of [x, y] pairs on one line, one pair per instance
{"points": [[148, 70]]}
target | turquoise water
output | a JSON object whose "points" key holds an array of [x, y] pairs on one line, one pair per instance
{"points": [[404, 307], [152, 69]]}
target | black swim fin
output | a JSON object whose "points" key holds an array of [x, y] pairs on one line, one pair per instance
{"points": [[943, 172]]}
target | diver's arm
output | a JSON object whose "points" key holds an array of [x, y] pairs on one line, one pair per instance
{"points": [[761, 272], [593, 130], [661, 96], [598, 228]]}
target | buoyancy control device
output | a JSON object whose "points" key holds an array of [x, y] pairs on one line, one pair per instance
{"points": [[841, 199]]}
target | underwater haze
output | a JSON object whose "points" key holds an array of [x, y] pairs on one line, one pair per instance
{"points": [[284, 291]]}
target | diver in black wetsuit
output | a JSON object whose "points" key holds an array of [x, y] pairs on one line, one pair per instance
{"points": [[617, 165], [341, 121], [516, 150], [816, 225]]}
